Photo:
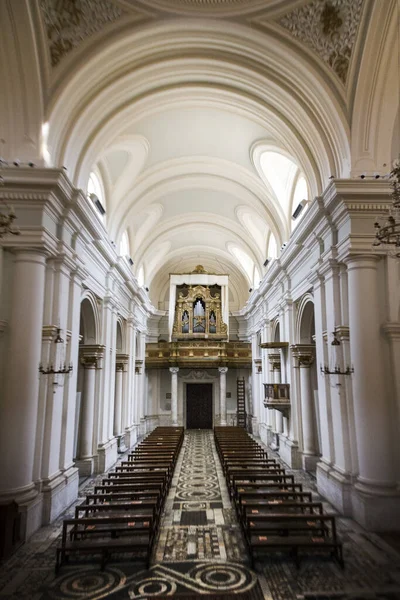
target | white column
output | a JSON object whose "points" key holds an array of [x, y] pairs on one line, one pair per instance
{"points": [[69, 404], [278, 414], [143, 395], [20, 399], [307, 411], [371, 408], [118, 399], [322, 357], [273, 357], [174, 395], [87, 414], [129, 413], [222, 394]]}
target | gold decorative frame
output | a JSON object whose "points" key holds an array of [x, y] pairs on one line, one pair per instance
{"points": [[186, 303]]}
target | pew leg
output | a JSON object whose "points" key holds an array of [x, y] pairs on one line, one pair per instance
{"points": [[296, 557], [57, 562]]}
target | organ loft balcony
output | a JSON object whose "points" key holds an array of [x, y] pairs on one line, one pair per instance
{"points": [[195, 353]]}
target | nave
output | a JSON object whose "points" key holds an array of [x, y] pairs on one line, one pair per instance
{"points": [[201, 550]]}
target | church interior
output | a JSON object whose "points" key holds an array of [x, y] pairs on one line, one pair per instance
{"points": [[200, 299]]}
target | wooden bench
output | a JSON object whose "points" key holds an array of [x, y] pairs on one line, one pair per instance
{"points": [[123, 513], [136, 540], [292, 533]]}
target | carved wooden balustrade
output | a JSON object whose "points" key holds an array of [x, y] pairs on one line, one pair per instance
{"points": [[198, 354], [277, 395]]}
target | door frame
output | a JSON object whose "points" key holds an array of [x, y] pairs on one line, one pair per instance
{"points": [[213, 391]]}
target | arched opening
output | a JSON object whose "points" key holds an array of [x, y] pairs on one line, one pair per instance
{"points": [[120, 388], [85, 415], [310, 422]]}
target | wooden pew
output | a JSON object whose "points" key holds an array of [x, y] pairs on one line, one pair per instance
{"points": [[123, 513], [293, 532], [135, 540]]}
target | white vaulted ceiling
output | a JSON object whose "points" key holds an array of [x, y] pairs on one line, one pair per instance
{"points": [[199, 126]]}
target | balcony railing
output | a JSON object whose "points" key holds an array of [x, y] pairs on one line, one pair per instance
{"points": [[277, 396], [198, 353]]}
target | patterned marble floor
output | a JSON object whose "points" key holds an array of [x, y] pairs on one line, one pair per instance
{"points": [[200, 550]]}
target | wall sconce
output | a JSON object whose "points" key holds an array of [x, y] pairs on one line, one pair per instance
{"points": [[336, 370], [64, 369]]}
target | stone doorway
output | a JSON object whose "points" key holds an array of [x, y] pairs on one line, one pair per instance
{"points": [[199, 413]]}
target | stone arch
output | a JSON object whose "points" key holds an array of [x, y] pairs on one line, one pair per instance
{"points": [[276, 330], [120, 337], [309, 406], [305, 322], [90, 319], [78, 93]]}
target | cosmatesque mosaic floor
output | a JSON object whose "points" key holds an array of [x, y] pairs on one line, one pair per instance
{"points": [[200, 550]]}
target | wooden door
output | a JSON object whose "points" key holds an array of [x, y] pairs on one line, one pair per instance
{"points": [[199, 406]]}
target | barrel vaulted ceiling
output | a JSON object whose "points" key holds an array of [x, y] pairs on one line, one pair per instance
{"points": [[205, 121]]}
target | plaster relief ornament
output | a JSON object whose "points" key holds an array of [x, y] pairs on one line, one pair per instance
{"points": [[329, 28], [70, 22]]}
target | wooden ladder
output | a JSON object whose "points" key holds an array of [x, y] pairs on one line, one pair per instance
{"points": [[241, 402]]}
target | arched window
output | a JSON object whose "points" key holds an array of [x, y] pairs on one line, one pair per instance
{"points": [[300, 199], [140, 276], [95, 192], [124, 245], [272, 247]]}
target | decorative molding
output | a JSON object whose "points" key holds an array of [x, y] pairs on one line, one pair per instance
{"points": [[329, 29], [392, 330], [199, 375], [121, 360], [211, 8], [91, 355], [304, 353], [69, 22]]}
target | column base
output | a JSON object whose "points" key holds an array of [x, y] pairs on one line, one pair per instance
{"points": [[263, 431], [289, 452], [270, 435], [30, 506], [309, 462], [59, 492], [255, 428], [151, 422], [121, 446], [86, 466], [107, 455], [335, 487], [142, 427], [131, 436], [275, 442], [376, 508]]}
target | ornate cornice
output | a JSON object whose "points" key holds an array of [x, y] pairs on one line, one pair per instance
{"points": [[91, 355], [304, 353], [121, 360], [275, 361]]}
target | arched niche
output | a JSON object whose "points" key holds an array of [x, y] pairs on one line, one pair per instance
{"points": [[119, 343], [89, 336], [89, 324], [305, 336], [306, 321]]}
